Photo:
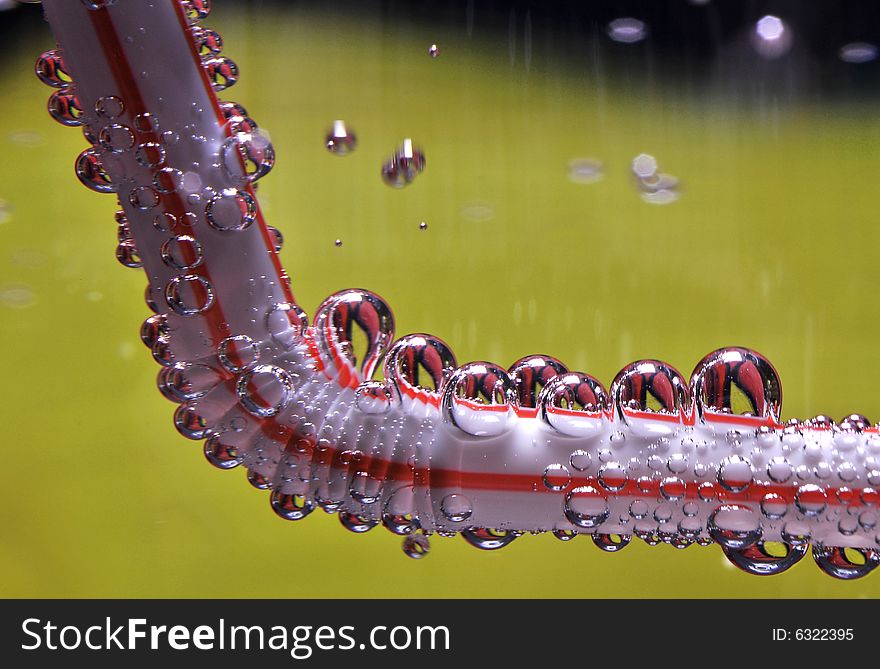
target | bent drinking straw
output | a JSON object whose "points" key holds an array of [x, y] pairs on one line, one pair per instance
{"points": [[477, 450]]}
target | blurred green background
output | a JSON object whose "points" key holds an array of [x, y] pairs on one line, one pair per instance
{"points": [[771, 245]]}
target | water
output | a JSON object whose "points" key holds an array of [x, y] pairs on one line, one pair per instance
{"points": [[621, 278]]}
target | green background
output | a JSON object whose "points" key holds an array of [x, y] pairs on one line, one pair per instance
{"points": [[772, 246]]}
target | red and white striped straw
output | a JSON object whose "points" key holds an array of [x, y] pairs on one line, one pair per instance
{"points": [[475, 450]]}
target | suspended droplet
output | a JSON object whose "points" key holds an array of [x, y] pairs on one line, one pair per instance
{"points": [[50, 69], [434, 51], [248, 156], [488, 539], [231, 210], [586, 507], [286, 323], [611, 543], [456, 508], [765, 558], [356, 523], [404, 166], [90, 171], [477, 399], [416, 546], [265, 390], [846, 563], [334, 323], [340, 141], [189, 294], [568, 399], [337, 243], [222, 72], [423, 226], [650, 386], [419, 363], [64, 107], [734, 526], [290, 507]]}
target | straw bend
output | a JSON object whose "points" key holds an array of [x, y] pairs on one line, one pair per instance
{"points": [[477, 450]]}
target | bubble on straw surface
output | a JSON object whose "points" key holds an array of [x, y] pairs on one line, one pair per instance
{"points": [[65, 108]]}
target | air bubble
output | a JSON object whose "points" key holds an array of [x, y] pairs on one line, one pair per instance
{"points": [[182, 252], [488, 539], [810, 499], [90, 171], [434, 51], [247, 156], [650, 386], [531, 374], [735, 474], [340, 141], [64, 107], [238, 353], [168, 180], [611, 543], [477, 399], [231, 210], [356, 523], [734, 526], [419, 363], [143, 198], [221, 454], [404, 166], [196, 10], [570, 398], [128, 256], [846, 563], [150, 154], [334, 323], [373, 397], [286, 323], [613, 477], [265, 390], [208, 42], [146, 122], [116, 138], [774, 506], [416, 546], [50, 69], [186, 381], [765, 558], [109, 106], [556, 477], [189, 294], [737, 381], [456, 508], [222, 72], [290, 507], [586, 507]]}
